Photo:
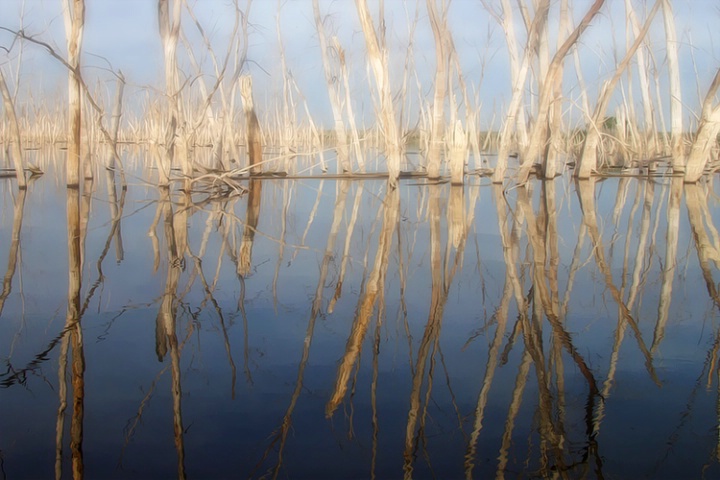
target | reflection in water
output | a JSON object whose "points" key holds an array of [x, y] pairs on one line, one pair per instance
{"points": [[72, 340], [708, 250], [14, 250], [441, 279], [374, 288], [251, 221], [671, 246], [359, 312], [175, 226]]}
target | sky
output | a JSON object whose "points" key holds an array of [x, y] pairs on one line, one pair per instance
{"points": [[125, 34]]}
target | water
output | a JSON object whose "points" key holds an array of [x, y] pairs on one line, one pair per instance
{"points": [[333, 329]]}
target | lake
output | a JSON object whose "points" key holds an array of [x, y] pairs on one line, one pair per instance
{"points": [[330, 328]]}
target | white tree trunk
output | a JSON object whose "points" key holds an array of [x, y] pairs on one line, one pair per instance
{"points": [[517, 92], [378, 59], [588, 160], [333, 87], [555, 120], [439, 26], [538, 136], [706, 136], [676, 123], [644, 83], [74, 17], [169, 25], [15, 141]]}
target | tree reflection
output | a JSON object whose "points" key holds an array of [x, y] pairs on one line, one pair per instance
{"points": [[373, 287], [175, 226], [14, 250], [72, 343], [537, 385], [442, 271]]}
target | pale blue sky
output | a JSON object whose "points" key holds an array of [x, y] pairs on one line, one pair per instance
{"points": [[125, 32]]}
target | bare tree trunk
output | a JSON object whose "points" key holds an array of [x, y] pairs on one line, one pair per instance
{"points": [[588, 160], [517, 90], [116, 114], [253, 142], [555, 120], [169, 25], [378, 59], [706, 135], [457, 153], [648, 114], [15, 142], [74, 16], [676, 123], [334, 93], [348, 103], [289, 135], [439, 26], [538, 135]]}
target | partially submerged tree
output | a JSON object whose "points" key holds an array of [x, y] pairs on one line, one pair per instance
{"points": [[16, 142], [253, 138], [676, 123], [169, 25], [378, 59], [706, 136], [438, 22], [74, 16], [333, 86], [539, 132], [518, 83], [650, 134], [588, 160], [552, 151]]}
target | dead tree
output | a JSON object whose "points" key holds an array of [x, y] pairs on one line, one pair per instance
{"points": [[378, 59], [169, 27], [15, 145], [333, 86], [676, 123], [706, 136], [539, 132], [588, 160], [253, 137], [74, 16]]}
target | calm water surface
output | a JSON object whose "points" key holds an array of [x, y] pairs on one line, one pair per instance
{"points": [[333, 329]]}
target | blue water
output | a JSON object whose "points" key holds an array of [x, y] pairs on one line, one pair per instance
{"points": [[200, 364]]}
